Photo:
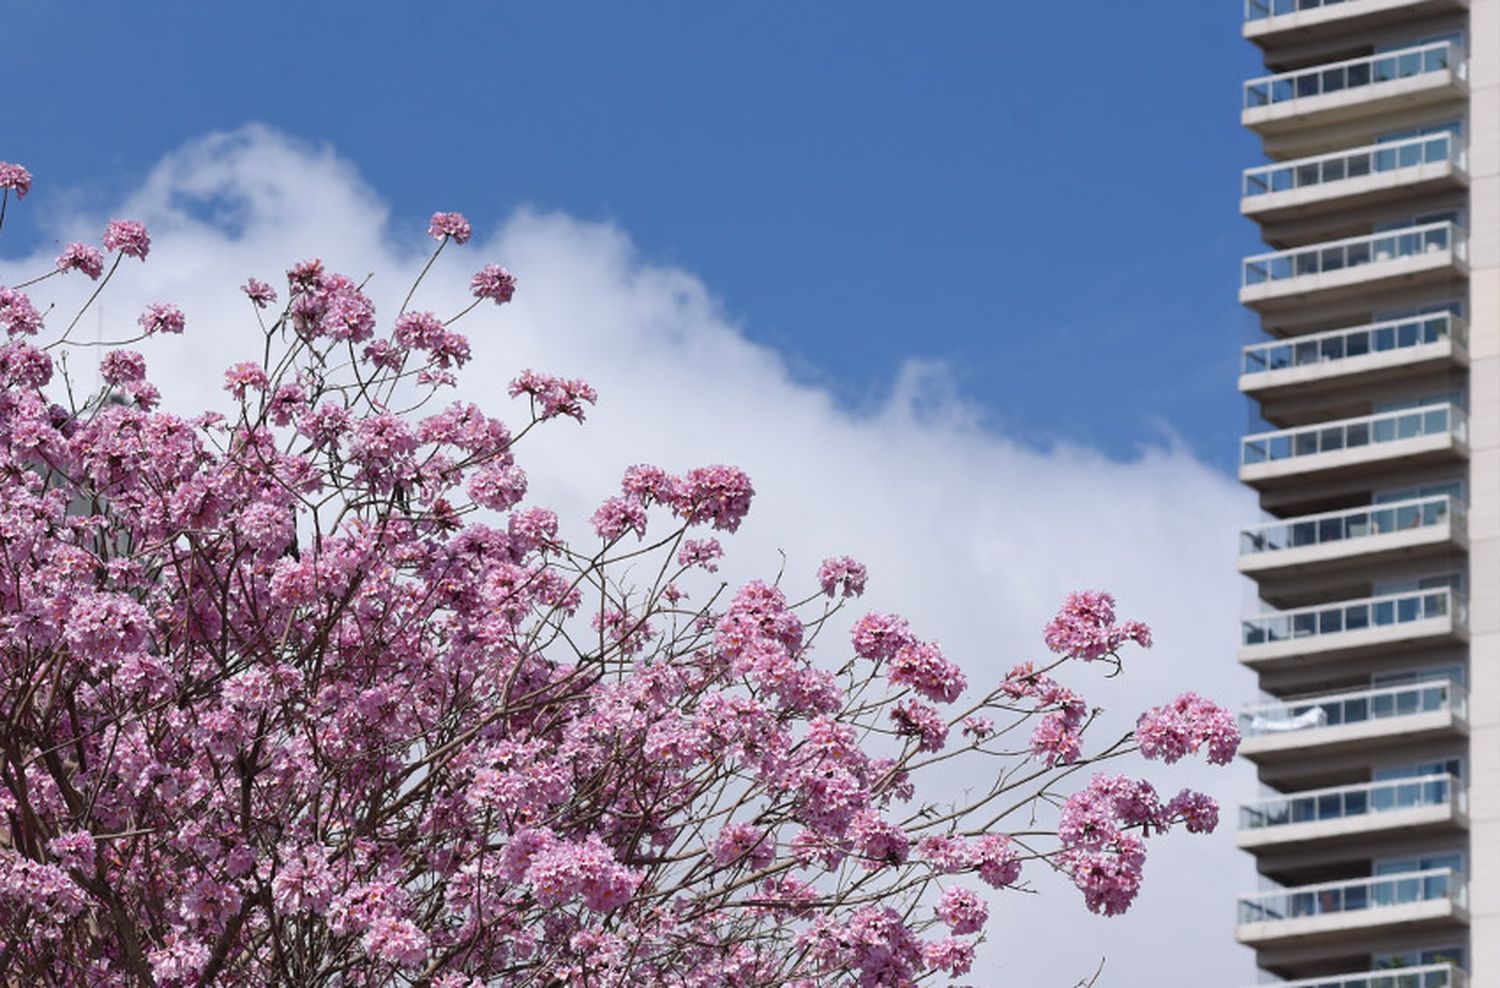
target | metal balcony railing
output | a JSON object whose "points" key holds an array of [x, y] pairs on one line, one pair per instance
{"points": [[1355, 252], [1340, 709], [1322, 349], [1356, 73], [1347, 616], [1426, 976], [1353, 524], [1345, 802], [1367, 430], [1259, 10], [1360, 894], [1374, 159]]}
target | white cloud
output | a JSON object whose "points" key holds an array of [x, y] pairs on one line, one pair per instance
{"points": [[974, 535]]}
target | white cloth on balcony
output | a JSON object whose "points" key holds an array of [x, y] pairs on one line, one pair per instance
{"points": [[1314, 717]]}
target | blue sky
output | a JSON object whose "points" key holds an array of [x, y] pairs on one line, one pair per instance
{"points": [[1040, 195]]}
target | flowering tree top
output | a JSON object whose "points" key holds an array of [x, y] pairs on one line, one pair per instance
{"points": [[312, 694]]}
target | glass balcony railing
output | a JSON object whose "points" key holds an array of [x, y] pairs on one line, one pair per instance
{"points": [[1259, 10], [1356, 73], [1327, 620], [1378, 892], [1356, 252], [1340, 709], [1375, 159], [1345, 802], [1353, 524], [1426, 976], [1368, 430], [1344, 344]]}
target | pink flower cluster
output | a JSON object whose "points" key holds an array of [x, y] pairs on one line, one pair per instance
{"points": [[875, 942], [1058, 737], [962, 910], [329, 305], [122, 367], [243, 377], [744, 843], [992, 857], [498, 486], [760, 639], [425, 332], [446, 225], [701, 553], [1183, 726], [558, 870], [128, 237], [922, 721], [923, 667], [259, 293], [878, 843], [15, 178], [81, 257], [718, 495], [17, 313], [1085, 627], [553, 396], [161, 317], [495, 283], [1102, 831], [842, 574], [880, 636]]}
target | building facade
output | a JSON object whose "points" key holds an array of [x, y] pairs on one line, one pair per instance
{"points": [[1376, 833]]}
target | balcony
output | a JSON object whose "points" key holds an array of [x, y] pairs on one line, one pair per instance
{"points": [[1426, 976], [1307, 914], [1358, 177], [1361, 535], [1349, 446], [1303, 21], [1341, 269], [1426, 803], [1279, 638], [1341, 91], [1343, 356], [1360, 720]]}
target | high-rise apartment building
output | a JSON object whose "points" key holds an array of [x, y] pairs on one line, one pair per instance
{"points": [[1376, 833]]}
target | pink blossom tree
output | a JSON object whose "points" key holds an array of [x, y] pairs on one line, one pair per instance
{"points": [[310, 694]]}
